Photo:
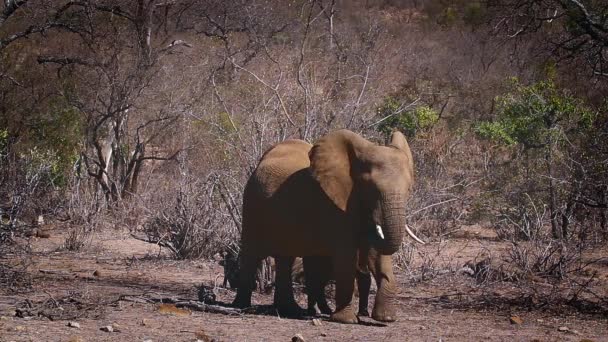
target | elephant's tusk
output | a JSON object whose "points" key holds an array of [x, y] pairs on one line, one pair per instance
{"points": [[379, 231], [409, 231]]}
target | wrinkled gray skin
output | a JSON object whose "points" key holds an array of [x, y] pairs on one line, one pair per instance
{"points": [[327, 200]]}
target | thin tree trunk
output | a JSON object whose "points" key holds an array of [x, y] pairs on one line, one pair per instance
{"points": [[555, 229]]}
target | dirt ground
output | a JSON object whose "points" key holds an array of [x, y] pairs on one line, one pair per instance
{"points": [[109, 284]]}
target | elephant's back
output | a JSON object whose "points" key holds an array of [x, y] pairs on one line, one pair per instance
{"points": [[291, 153], [278, 164], [280, 203]]}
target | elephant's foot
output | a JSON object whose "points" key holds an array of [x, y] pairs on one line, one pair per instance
{"points": [[363, 312], [324, 308], [346, 315], [242, 300], [289, 309], [384, 312]]}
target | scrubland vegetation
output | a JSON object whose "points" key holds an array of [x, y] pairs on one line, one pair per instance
{"points": [[148, 116]]}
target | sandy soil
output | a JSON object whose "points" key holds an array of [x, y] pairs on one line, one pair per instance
{"points": [[439, 304]]}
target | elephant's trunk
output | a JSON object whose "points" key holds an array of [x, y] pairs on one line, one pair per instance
{"points": [[392, 223]]}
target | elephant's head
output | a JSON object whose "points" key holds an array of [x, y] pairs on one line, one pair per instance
{"points": [[371, 180]]}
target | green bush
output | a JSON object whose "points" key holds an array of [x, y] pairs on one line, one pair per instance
{"points": [[56, 138], [535, 116], [410, 122]]}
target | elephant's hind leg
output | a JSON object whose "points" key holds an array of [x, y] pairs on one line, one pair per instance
{"points": [[283, 292], [248, 267], [317, 272]]}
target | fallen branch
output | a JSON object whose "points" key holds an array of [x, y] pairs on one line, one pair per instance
{"points": [[186, 303]]}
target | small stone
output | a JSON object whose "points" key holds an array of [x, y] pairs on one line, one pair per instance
{"points": [[298, 338], [586, 340], [107, 328], [42, 234], [20, 328], [145, 322], [97, 273], [316, 322], [324, 334], [201, 335], [516, 320], [4, 318], [563, 329], [76, 339], [74, 325], [148, 340], [116, 327]]}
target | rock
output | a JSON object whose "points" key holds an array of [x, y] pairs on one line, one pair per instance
{"points": [[324, 334], [42, 234], [19, 328], [201, 335], [298, 338], [116, 327], [74, 325], [563, 329], [145, 322], [4, 318], [148, 340], [516, 320], [316, 322], [206, 295], [97, 273], [107, 328]]}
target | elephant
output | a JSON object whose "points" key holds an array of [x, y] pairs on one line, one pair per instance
{"points": [[332, 199]]}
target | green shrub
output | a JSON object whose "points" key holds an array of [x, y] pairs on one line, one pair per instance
{"points": [[410, 122], [535, 116]]}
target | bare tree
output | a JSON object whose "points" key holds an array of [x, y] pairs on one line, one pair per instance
{"points": [[574, 29]]}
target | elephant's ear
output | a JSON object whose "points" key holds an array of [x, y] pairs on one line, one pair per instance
{"points": [[331, 162], [399, 141]]}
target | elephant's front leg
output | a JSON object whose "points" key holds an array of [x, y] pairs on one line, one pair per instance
{"points": [[345, 265], [364, 283], [283, 292], [381, 267]]}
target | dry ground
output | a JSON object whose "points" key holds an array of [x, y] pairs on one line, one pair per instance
{"points": [[439, 304]]}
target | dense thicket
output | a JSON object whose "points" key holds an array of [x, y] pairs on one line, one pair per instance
{"points": [[152, 113]]}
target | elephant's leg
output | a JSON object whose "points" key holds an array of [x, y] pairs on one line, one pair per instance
{"points": [[381, 267], [344, 263], [364, 282], [283, 292], [248, 265], [317, 272]]}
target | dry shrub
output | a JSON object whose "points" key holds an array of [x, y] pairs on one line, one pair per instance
{"points": [[550, 259], [77, 238], [84, 212], [16, 277], [196, 222]]}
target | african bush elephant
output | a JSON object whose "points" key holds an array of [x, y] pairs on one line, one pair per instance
{"points": [[326, 200]]}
